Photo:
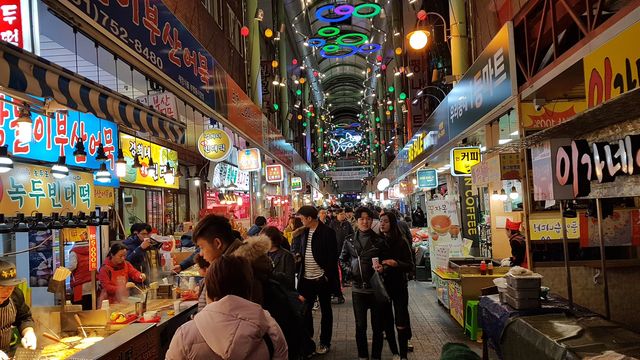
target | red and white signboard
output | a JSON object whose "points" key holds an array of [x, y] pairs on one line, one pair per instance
{"points": [[93, 248], [275, 173], [11, 25], [165, 103]]}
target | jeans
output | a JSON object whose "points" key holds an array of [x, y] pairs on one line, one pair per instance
{"points": [[400, 305], [310, 290], [361, 303]]}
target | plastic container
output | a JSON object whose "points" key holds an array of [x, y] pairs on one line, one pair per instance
{"points": [[483, 268], [522, 304], [523, 294], [525, 282]]}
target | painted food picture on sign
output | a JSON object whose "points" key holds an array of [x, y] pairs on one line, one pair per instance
{"points": [[40, 258], [165, 162], [249, 160], [621, 228], [445, 234]]}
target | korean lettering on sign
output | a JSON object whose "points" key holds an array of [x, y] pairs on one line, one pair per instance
{"points": [[427, 178], [463, 159], [551, 229], [30, 188], [580, 163], [484, 86], [612, 69], [165, 103], [274, 173], [145, 151], [57, 136], [11, 22], [149, 29]]}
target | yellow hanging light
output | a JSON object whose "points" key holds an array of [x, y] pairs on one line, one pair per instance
{"points": [[302, 80], [268, 33], [398, 51], [274, 64]]}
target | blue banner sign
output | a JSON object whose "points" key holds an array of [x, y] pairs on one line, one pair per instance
{"points": [[151, 31], [427, 178], [57, 136]]}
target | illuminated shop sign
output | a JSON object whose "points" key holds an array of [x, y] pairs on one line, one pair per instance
{"points": [[275, 173], [427, 178], [164, 103], [145, 151], [215, 145], [227, 176], [463, 159], [580, 163], [296, 183], [249, 160], [57, 136], [31, 188], [421, 143], [345, 143]]}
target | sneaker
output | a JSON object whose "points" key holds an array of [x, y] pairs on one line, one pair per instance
{"points": [[316, 306], [322, 349], [396, 357], [409, 346], [338, 300]]}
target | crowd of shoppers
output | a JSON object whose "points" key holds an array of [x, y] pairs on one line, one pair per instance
{"points": [[265, 286]]}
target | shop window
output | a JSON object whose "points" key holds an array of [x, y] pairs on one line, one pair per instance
{"points": [[155, 210], [106, 69], [234, 31], [216, 12], [133, 207]]}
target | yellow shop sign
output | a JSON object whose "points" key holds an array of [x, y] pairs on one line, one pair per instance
{"points": [[611, 69], [215, 144], [31, 188], [463, 159], [164, 161]]}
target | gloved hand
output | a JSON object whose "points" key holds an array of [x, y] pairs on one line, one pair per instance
{"points": [[506, 262], [3, 356], [29, 340]]}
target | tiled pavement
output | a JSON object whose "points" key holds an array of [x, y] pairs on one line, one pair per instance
{"points": [[431, 324]]}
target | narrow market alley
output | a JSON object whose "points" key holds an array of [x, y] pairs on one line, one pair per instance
{"points": [[432, 327]]}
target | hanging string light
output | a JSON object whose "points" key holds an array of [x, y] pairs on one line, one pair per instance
{"points": [[60, 170]]}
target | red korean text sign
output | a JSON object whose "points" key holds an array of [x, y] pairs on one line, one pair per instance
{"points": [[93, 248], [11, 22]]}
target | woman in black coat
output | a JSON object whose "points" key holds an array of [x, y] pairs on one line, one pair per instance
{"points": [[397, 266], [284, 267]]}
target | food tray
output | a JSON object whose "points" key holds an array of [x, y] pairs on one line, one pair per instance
{"points": [[154, 320], [522, 304], [130, 318], [523, 294], [525, 282]]}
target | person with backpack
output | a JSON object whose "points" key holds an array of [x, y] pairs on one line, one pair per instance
{"points": [[255, 335]]}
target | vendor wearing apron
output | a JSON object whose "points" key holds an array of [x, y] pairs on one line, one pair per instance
{"points": [[14, 312], [518, 245]]}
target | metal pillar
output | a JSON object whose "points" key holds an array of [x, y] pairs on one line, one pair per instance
{"points": [[459, 38], [565, 250], [372, 147], [253, 44], [603, 260], [380, 85], [400, 117], [284, 91]]}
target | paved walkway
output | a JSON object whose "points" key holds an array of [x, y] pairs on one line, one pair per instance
{"points": [[432, 327]]}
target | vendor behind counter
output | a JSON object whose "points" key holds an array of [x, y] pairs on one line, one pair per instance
{"points": [[14, 313], [114, 275]]}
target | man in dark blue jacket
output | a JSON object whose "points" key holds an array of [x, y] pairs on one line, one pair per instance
{"points": [[141, 250]]}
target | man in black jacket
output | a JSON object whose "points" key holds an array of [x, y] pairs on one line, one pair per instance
{"points": [[360, 250], [318, 275], [343, 229]]}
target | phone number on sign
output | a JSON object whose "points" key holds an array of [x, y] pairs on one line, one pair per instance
{"points": [[120, 32]]}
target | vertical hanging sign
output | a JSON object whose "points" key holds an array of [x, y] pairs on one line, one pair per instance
{"points": [[93, 248]]}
